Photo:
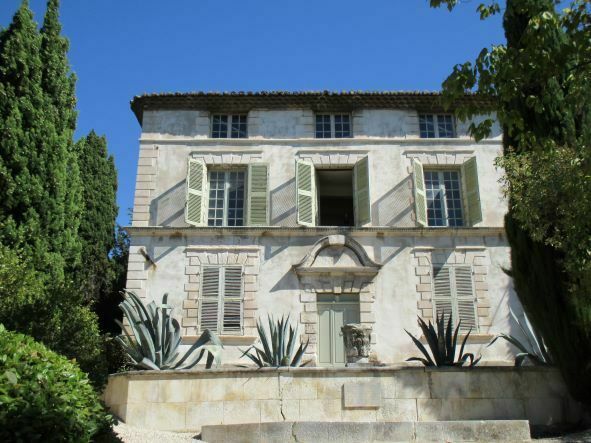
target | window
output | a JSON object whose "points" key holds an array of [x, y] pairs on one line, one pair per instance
{"points": [[226, 198], [447, 198], [229, 197], [333, 126], [220, 305], [436, 126], [453, 294], [228, 126], [333, 197], [444, 203]]}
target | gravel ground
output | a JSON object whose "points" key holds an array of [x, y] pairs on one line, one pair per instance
{"points": [[129, 434]]}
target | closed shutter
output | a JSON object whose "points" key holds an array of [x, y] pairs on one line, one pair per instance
{"points": [[470, 179], [443, 292], [210, 296], [232, 315], [466, 306], [453, 294], [258, 195], [196, 195], [361, 191], [306, 193], [420, 195]]}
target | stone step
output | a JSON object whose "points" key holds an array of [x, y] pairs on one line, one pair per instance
{"points": [[345, 432]]}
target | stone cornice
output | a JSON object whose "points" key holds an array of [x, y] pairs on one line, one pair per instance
{"points": [[285, 231]]}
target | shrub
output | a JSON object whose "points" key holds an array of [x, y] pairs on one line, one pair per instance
{"points": [[277, 347], [442, 342], [43, 396]]}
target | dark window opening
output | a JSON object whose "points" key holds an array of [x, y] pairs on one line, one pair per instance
{"points": [[335, 197]]}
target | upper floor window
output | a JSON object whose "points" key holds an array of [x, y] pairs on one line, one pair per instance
{"points": [[229, 126], [448, 197], [227, 197], [436, 126], [333, 125]]}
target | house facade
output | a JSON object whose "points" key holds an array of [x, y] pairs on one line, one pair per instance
{"points": [[332, 208]]}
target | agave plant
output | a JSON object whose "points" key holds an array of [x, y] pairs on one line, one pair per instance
{"points": [[156, 337], [534, 349], [442, 343], [277, 348]]}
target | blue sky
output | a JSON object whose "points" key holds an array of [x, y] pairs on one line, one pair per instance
{"points": [[122, 48]]}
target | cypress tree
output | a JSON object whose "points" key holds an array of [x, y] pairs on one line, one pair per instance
{"points": [[58, 84], [97, 225]]}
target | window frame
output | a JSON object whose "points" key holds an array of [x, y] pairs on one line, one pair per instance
{"points": [[455, 298], [226, 171], [221, 299], [229, 123], [436, 133], [332, 116], [440, 172]]}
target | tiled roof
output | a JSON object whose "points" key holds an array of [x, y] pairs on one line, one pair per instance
{"points": [[315, 100]]}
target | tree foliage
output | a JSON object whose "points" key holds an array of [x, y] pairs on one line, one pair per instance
{"points": [[539, 81]]}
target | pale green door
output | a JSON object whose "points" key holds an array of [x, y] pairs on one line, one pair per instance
{"points": [[334, 312]]}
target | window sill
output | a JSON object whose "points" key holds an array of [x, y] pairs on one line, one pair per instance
{"points": [[475, 338], [236, 340]]}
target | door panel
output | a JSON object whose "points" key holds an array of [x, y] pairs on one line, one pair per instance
{"points": [[332, 316]]}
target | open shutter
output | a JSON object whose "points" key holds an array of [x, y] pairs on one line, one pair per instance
{"points": [[258, 195], [443, 292], [470, 178], [361, 192], [420, 195], [466, 306], [196, 195], [232, 300], [306, 193], [210, 296]]}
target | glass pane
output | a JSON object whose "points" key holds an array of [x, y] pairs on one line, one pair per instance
{"points": [[323, 126], [219, 126], [239, 128], [453, 198], [434, 199], [342, 126], [426, 126], [216, 198], [445, 126], [235, 198]]}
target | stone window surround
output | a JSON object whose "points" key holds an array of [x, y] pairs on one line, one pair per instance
{"points": [[196, 257], [332, 159], [227, 157], [423, 260], [355, 280]]}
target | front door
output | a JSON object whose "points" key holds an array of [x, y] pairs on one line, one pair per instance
{"points": [[334, 312]]}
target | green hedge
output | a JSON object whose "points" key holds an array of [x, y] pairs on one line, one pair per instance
{"points": [[44, 396]]}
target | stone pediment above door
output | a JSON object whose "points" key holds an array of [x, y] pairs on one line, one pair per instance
{"points": [[337, 255]]}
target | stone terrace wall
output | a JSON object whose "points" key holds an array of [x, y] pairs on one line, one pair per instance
{"points": [[187, 400]]}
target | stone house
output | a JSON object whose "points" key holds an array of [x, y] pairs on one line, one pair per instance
{"points": [[334, 208]]}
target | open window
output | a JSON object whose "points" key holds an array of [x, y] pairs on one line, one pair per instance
{"points": [[447, 197], [333, 197], [227, 196]]}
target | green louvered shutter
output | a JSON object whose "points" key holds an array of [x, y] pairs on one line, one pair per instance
{"points": [[443, 292], [258, 195], [465, 298], [209, 305], [306, 193], [232, 304], [361, 191], [453, 293], [420, 195], [470, 178], [196, 187]]}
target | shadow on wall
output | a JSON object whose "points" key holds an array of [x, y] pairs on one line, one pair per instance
{"points": [[282, 204], [168, 208], [395, 207]]}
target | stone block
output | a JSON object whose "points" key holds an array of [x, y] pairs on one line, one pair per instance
{"points": [[241, 433], [173, 391], [449, 384], [242, 411], [362, 395], [546, 412], [360, 415], [296, 387], [310, 432], [396, 431], [398, 410], [320, 410], [472, 431], [217, 389], [271, 411], [190, 304], [350, 432], [261, 388], [203, 414], [134, 414], [290, 409], [412, 384], [308, 317], [165, 416], [142, 391]]}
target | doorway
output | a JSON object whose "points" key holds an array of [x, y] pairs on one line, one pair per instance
{"points": [[334, 312]]}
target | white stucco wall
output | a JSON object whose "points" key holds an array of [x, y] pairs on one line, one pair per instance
{"points": [[389, 138]]}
